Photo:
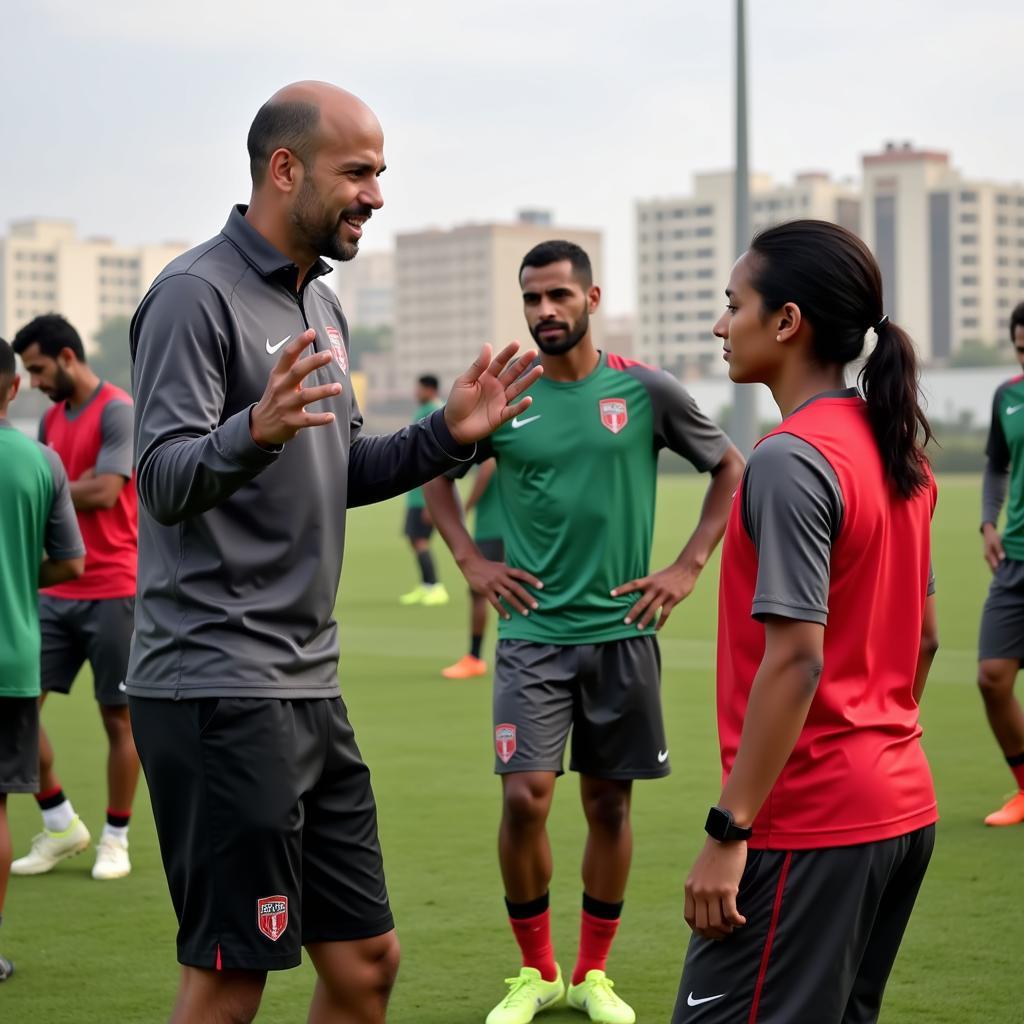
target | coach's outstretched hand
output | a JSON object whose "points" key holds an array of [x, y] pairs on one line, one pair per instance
{"points": [[482, 398], [281, 413]]}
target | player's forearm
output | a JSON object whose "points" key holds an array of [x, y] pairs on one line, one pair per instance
{"points": [[95, 492], [445, 511], [993, 492], [929, 647], [714, 513], [52, 572], [780, 699]]}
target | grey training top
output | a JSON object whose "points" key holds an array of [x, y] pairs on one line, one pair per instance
{"points": [[240, 547], [116, 421], [793, 511]]}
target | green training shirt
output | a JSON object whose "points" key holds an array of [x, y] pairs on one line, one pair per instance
{"points": [[487, 514], [414, 498], [36, 516], [576, 481], [1005, 451]]}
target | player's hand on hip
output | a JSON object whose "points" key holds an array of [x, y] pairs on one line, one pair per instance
{"points": [[281, 413], [992, 546], [712, 887], [659, 591], [501, 585], [485, 396]]}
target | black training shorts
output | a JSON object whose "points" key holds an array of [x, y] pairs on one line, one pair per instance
{"points": [[608, 695], [416, 525], [1002, 621], [267, 827], [99, 632], [823, 929], [19, 744]]}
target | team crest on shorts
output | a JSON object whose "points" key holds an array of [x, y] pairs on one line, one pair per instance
{"points": [[505, 741], [614, 414], [338, 348], [272, 916]]}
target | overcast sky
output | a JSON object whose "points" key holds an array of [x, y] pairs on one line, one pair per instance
{"points": [[131, 118]]}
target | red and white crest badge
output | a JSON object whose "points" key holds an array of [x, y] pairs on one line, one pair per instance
{"points": [[614, 414], [505, 741], [272, 916], [338, 348]]}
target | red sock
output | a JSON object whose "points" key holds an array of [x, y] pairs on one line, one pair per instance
{"points": [[534, 937], [596, 936], [1018, 770]]}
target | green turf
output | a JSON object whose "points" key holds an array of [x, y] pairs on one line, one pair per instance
{"points": [[89, 951]]}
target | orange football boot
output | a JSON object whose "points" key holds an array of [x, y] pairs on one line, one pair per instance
{"points": [[467, 667], [1011, 813]]}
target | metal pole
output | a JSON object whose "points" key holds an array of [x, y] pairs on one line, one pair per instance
{"points": [[744, 422]]}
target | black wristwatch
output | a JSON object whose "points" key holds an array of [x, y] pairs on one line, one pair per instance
{"points": [[722, 826]]}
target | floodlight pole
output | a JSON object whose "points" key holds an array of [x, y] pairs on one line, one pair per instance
{"points": [[744, 420]]}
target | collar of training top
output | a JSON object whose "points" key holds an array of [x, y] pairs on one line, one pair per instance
{"points": [[261, 254]]}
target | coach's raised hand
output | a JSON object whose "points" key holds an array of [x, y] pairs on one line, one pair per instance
{"points": [[281, 413], [482, 398]]}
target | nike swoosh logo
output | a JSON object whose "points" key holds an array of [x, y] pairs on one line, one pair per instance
{"points": [[662, 756], [690, 1001], [517, 422], [273, 348], [1011, 409], [122, 687]]}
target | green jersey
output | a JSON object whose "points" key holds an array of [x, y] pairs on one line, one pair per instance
{"points": [[576, 481], [414, 498], [1005, 451], [487, 523], [36, 516]]}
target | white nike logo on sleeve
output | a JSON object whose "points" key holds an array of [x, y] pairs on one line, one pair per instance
{"points": [[690, 1001], [1011, 409], [273, 348]]}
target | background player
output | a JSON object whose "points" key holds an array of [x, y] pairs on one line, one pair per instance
{"points": [[1001, 642], [826, 633], [418, 527], [576, 481], [88, 619], [40, 545], [484, 505]]}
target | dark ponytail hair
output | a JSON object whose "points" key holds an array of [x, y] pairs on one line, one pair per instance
{"points": [[832, 276]]}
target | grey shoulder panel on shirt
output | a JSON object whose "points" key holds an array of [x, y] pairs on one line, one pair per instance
{"points": [[679, 423], [116, 424], [793, 511], [63, 539]]}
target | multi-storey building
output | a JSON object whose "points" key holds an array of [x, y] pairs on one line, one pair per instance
{"points": [[685, 249], [46, 268]]}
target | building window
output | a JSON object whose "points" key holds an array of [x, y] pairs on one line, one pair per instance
{"points": [[969, 321], [1002, 199], [968, 218], [968, 197], [969, 261], [705, 254], [968, 239], [968, 280], [969, 300], [704, 232], [703, 211], [704, 273]]}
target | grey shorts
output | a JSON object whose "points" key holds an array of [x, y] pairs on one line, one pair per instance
{"points": [[19, 745], [1002, 620], [74, 632], [822, 933], [608, 695], [415, 527]]}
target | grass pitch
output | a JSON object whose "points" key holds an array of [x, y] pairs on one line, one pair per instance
{"points": [[89, 951]]}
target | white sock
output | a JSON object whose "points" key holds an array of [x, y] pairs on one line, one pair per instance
{"points": [[118, 832], [59, 818]]}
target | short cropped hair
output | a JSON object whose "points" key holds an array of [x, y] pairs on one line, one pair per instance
{"points": [[290, 125], [554, 252], [428, 380], [52, 333], [1016, 318]]}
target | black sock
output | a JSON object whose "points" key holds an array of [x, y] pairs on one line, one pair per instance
{"points": [[476, 642], [427, 572], [115, 820], [519, 911], [598, 908], [51, 800]]}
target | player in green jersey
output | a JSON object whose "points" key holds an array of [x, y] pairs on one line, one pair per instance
{"points": [[37, 518], [1001, 641], [576, 481], [418, 528]]}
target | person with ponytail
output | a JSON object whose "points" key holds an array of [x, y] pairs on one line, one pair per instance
{"points": [[820, 838]]}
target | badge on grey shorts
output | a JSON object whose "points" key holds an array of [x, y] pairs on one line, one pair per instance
{"points": [[505, 741]]}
